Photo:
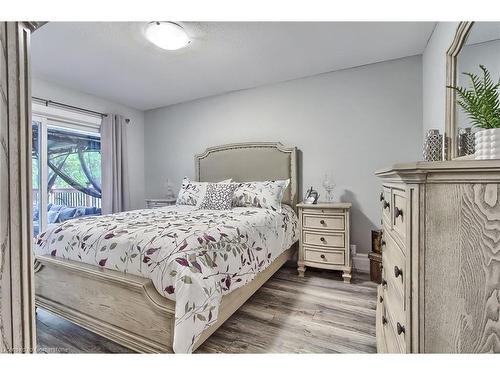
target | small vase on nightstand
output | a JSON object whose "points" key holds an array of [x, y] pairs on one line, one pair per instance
{"points": [[328, 185]]}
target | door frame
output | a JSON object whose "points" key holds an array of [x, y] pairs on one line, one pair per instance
{"points": [[17, 308]]}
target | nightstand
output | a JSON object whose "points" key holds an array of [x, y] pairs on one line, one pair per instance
{"points": [[160, 202], [324, 237]]}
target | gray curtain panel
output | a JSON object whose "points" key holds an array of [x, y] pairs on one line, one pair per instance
{"points": [[115, 178]]}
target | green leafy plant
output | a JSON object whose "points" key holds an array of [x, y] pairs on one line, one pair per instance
{"points": [[481, 102]]}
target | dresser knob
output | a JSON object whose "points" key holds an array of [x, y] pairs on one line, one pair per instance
{"points": [[381, 196], [322, 239], [381, 299], [397, 271], [322, 256], [384, 320], [384, 282], [386, 204], [400, 328], [322, 222], [398, 212]]}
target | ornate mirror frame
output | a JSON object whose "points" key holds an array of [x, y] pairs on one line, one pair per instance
{"points": [[451, 133]]}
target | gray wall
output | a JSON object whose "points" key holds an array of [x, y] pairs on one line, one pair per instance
{"points": [[48, 90], [348, 122]]}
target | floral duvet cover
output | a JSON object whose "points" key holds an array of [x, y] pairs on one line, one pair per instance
{"points": [[192, 256]]}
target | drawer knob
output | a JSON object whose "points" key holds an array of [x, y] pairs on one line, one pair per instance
{"points": [[398, 271], [384, 320], [398, 212], [384, 282], [385, 204], [381, 196], [400, 328], [322, 256], [322, 239], [322, 222], [381, 299]]}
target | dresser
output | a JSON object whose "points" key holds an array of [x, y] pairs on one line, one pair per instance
{"points": [[440, 290], [160, 202], [324, 237]]}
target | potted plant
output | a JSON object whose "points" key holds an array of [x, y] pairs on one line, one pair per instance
{"points": [[481, 103]]}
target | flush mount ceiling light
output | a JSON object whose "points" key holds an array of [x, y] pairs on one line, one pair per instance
{"points": [[167, 35]]}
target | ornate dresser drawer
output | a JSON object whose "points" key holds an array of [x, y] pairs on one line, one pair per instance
{"points": [[386, 202], [394, 262], [393, 332], [393, 291], [379, 322], [324, 237], [399, 215]]}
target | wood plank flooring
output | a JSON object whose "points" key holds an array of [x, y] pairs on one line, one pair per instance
{"points": [[316, 314]]}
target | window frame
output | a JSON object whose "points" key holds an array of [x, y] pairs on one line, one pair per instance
{"points": [[54, 117]]}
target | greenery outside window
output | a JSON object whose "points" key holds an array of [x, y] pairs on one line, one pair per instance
{"points": [[66, 160]]}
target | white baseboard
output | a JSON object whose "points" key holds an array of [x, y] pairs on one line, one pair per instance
{"points": [[361, 263]]}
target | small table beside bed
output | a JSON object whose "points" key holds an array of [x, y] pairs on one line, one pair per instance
{"points": [[164, 279]]}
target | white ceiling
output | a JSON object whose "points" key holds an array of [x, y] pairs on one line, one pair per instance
{"points": [[114, 61]]}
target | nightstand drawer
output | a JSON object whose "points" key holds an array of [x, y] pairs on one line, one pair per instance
{"points": [[325, 222], [157, 203], [325, 257], [328, 239]]}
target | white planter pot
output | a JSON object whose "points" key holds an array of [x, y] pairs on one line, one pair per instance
{"points": [[487, 144]]}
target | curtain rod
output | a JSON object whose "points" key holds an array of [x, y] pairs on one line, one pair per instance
{"points": [[48, 102]]}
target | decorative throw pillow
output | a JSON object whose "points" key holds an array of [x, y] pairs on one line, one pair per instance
{"points": [[263, 194], [52, 216], [66, 214], [218, 197], [192, 192]]}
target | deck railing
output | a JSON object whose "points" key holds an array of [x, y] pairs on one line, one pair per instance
{"points": [[69, 197]]}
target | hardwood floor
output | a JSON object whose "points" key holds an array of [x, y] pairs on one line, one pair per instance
{"points": [[316, 314]]}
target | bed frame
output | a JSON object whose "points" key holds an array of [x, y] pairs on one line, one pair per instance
{"points": [[128, 309]]}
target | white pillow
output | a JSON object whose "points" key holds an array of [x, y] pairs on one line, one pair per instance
{"points": [[193, 192], [264, 194]]}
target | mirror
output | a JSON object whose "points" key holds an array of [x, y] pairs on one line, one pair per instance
{"points": [[475, 44]]}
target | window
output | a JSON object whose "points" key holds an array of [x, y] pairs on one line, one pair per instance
{"points": [[66, 160]]}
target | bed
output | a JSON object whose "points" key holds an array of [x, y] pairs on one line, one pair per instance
{"points": [[109, 294]]}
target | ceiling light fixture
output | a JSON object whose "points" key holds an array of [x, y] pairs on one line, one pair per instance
{"points": [[167, 35]]}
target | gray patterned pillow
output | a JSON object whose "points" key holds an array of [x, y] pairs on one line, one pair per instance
{"points": [[263, 194], [193, 192], [218, 197]]}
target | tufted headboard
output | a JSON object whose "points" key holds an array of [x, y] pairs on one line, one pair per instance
{"points": [[253, 161]]}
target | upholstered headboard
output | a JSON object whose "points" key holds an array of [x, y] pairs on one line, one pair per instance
{"points": [[250, 162]]}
